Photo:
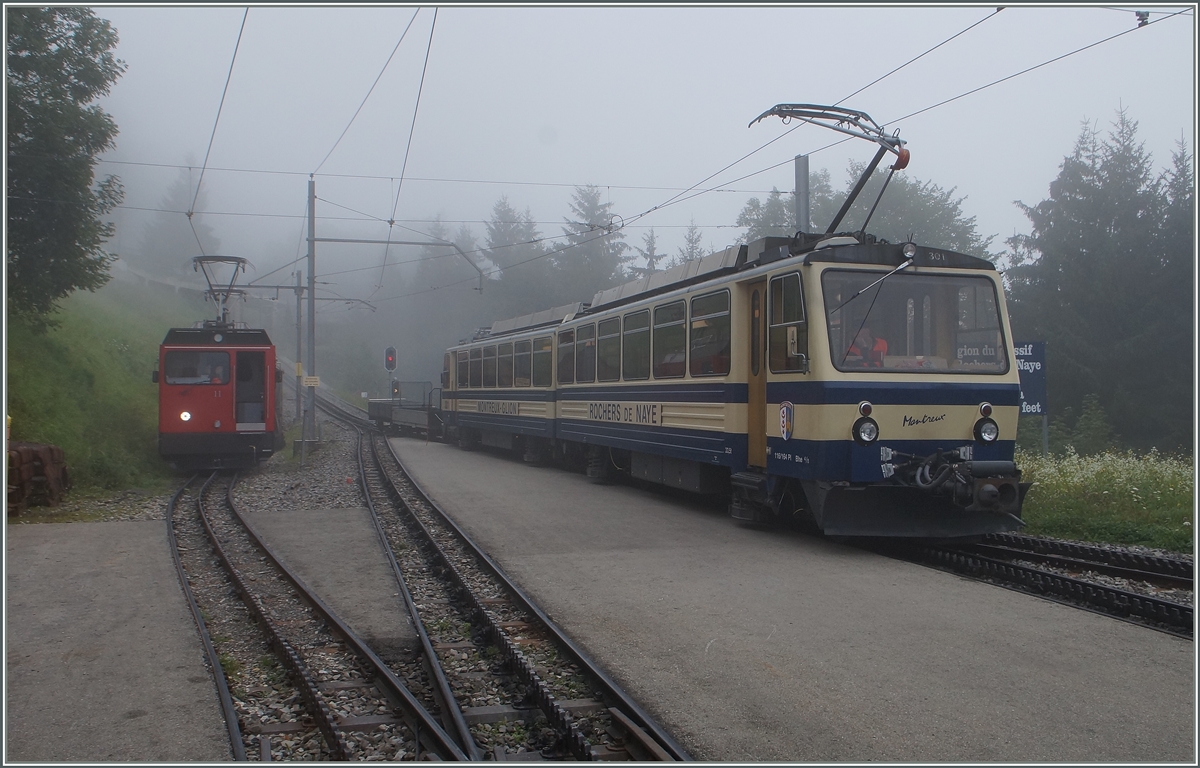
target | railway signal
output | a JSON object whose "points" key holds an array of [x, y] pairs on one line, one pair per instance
{"points": [[389, 359], [395, 388]]}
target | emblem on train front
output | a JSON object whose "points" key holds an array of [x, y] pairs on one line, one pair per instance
{"points": [[785, 420]]}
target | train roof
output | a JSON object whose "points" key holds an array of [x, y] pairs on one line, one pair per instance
{"points": [[840, 248], [847, 248], [532, 320], [224, 336]]}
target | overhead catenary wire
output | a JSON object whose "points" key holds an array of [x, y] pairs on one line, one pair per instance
{"points": [[375, 177], [369, 91], [685, 196], [678, 199], [923, 110], [1031, 69], [939, 104], [920, 56], [682, 198], [221, 106], [407, 148]]}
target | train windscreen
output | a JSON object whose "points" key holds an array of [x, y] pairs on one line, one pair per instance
{"points": [[194, 367], [915, 323]]}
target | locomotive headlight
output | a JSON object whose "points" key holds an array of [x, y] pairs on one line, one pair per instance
{"points": [[909, 250], [185, 416], [986, 431], [865, 431]]}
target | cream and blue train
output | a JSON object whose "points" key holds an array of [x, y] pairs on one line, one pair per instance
{"points": [[750, 373]]}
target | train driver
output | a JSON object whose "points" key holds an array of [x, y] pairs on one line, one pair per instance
{"points": [[867, 351], [218, 375]]}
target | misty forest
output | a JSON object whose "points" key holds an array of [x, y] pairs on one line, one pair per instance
{"points": [[1104, 275]]}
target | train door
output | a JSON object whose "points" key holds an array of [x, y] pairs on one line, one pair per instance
{"points": [[250, 395], [756, 402]]}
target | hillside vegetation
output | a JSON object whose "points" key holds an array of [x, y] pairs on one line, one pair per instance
{"points": [[85, 386]]}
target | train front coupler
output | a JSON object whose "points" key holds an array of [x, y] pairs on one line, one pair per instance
{"points": [[975, 486]]}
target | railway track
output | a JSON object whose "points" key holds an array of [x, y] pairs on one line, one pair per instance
{"points": [[489, 636], [1118, 583], [1169, 572], [338, 692]]}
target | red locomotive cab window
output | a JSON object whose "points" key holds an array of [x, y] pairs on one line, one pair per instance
{"points": [[196, 367]]}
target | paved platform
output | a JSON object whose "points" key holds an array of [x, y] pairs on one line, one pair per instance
{"points": [[758, 645], [338, 555], [103, 659]]}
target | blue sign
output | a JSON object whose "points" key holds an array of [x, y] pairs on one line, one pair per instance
{"points": [[1031, 364]]}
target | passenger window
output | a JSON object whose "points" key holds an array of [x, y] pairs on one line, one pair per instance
{"points": [[446, 371], [504, 365], [585, 353], [464, 368], [489, 366], [543, 362], [566, 357], [786, 312], [708, 354], [608, 350], [476, 367], [670, 340], [635, 354], [521, 365]]}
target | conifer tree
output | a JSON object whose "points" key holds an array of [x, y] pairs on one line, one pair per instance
{"points": [[1105, 279]]}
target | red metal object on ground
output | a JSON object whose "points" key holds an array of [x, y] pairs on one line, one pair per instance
{"points": [[37, 475]]}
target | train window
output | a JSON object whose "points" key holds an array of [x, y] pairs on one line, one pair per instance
{"points": [[608, 350], [708, 354], [521, 366], [504, 365], [476, 367], [250, 395], [635, 355], [446, 371], [464, 368], [917, 323], [785, 312], [543, 362], [585, 353], [670, 340], [196, 367], [489, 366], [566, 357]]}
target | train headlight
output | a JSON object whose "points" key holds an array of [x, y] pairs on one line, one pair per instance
{"points": [[865, 431], [909, 250], [185, 416], [986, 431]]}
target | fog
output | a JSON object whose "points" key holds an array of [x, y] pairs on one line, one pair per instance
{"points": [[642, 102]]}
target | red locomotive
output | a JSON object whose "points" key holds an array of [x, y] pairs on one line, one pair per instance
{"points": [[219, 391]]}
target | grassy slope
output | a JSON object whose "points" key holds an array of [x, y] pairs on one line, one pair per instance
{"points": [[86, 387]]}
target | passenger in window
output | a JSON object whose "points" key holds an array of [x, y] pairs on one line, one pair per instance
{"points": [[866, 351]]}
